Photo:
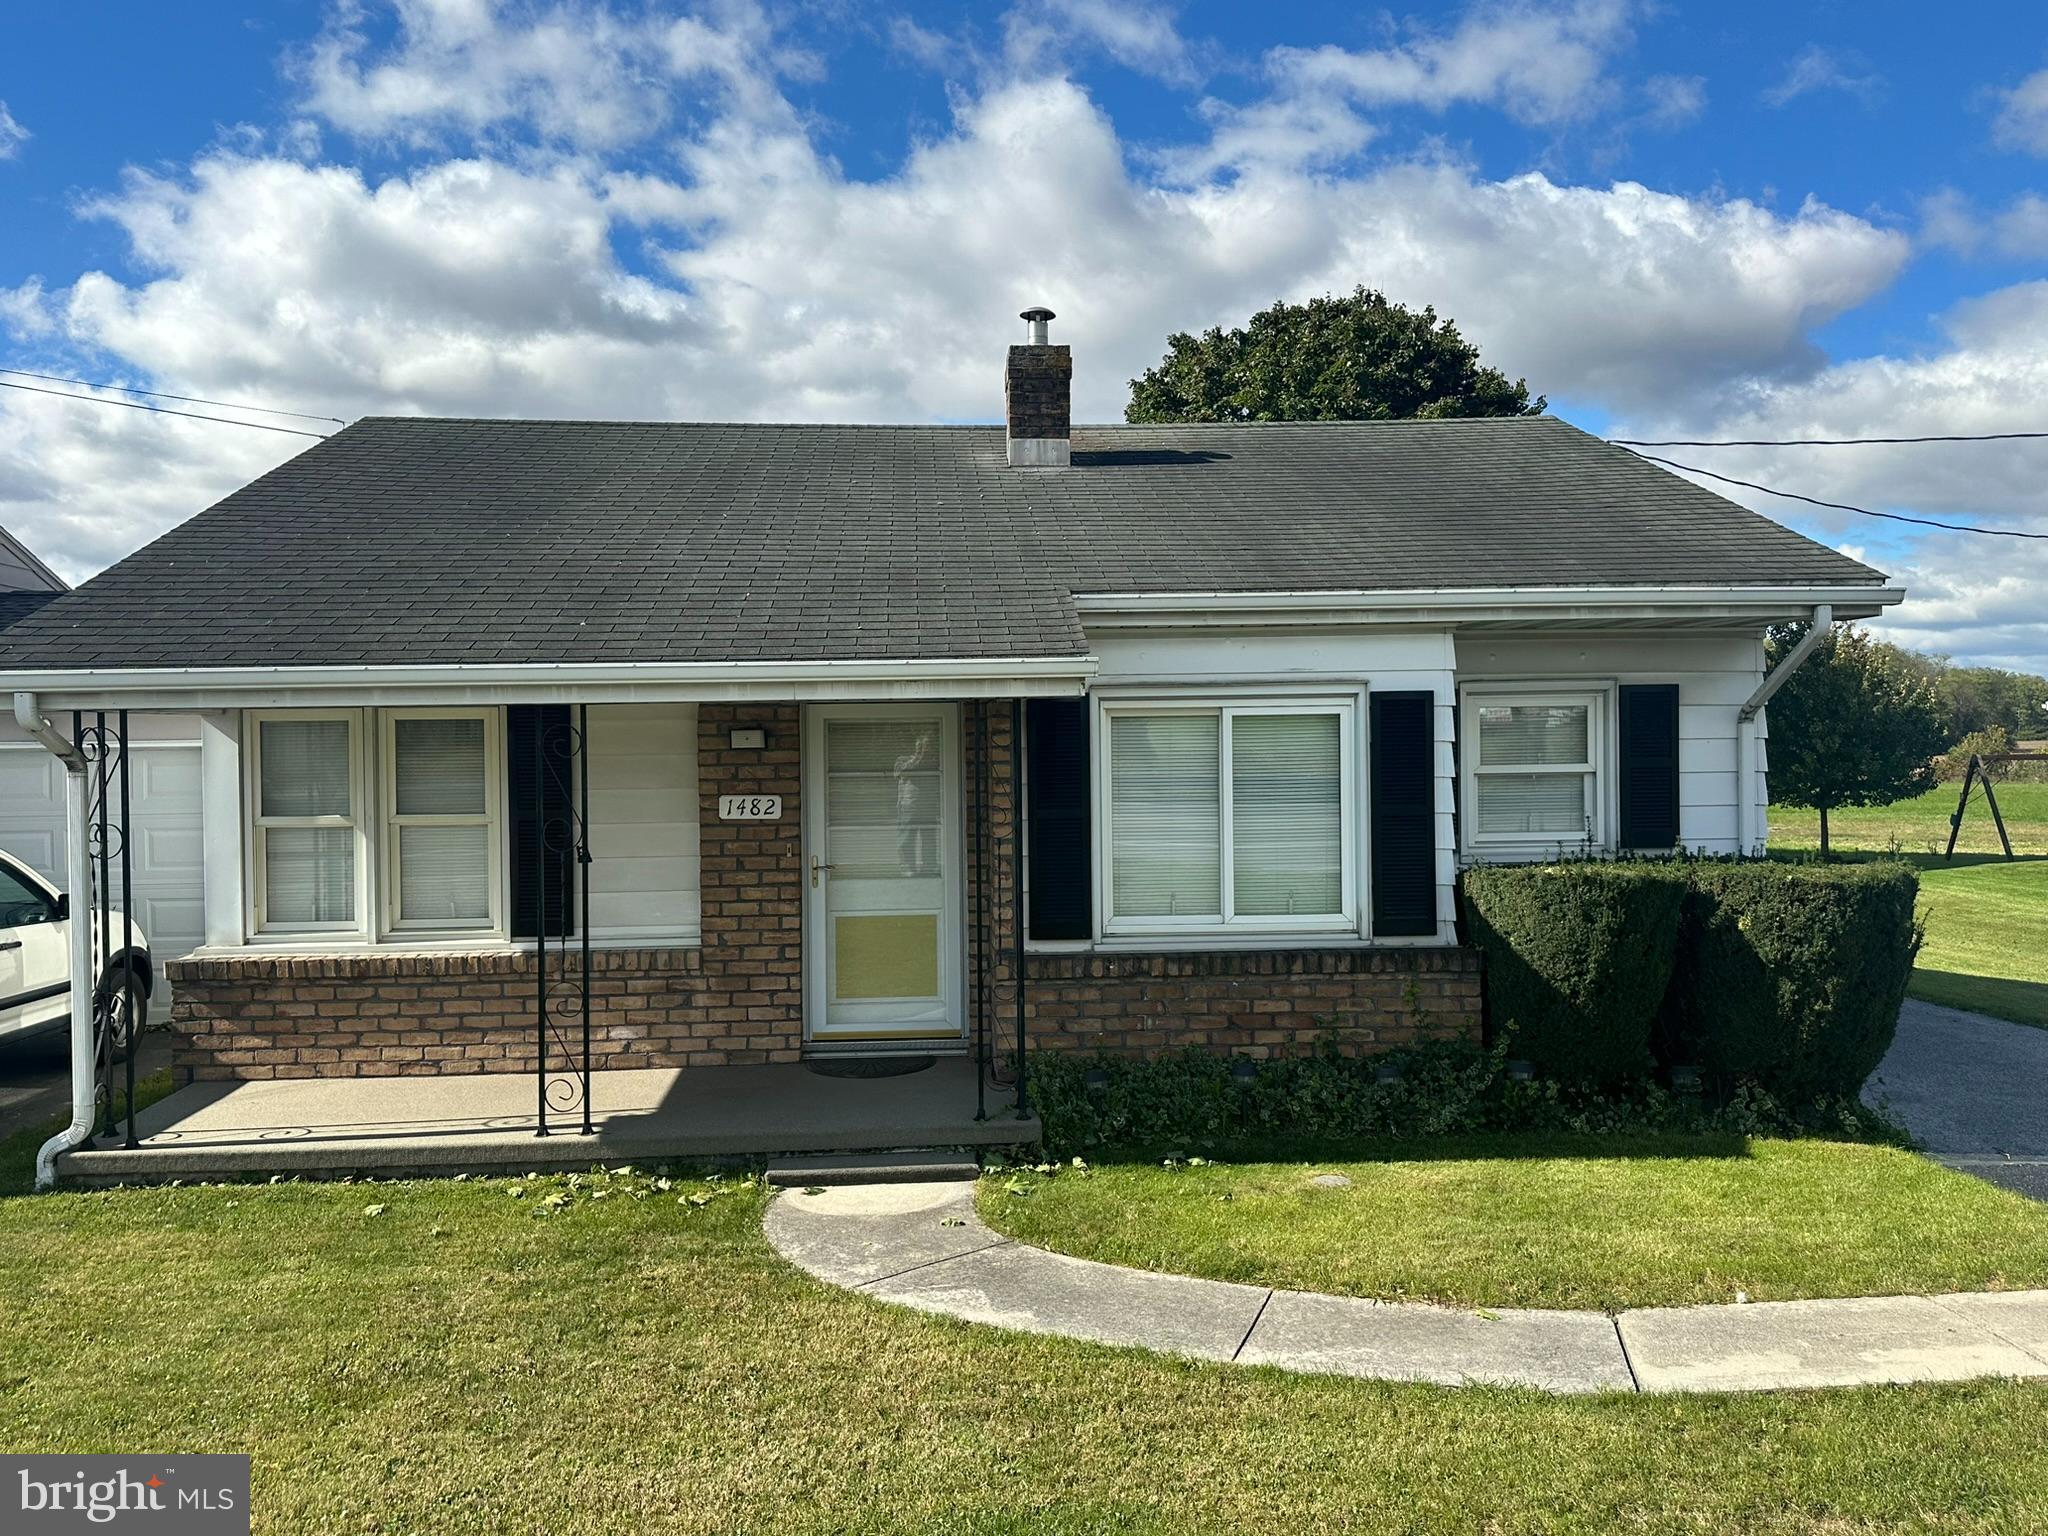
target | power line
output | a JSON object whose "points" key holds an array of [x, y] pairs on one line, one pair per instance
{"points": [[164, 410], [1838, 506], [129, 389], [1816, 442]]}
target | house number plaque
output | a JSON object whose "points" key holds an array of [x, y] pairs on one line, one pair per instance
{"points": [[750, 807]]}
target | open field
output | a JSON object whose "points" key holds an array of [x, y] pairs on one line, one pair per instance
{"points": [[1987, 919]]}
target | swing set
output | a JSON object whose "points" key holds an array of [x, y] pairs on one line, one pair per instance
{"points": [[1978, 776]]}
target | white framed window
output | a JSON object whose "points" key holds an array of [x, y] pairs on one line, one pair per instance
{"points": [[415, 847], [1228, 817], [306, 816], [1534, 768], [443, 772]]}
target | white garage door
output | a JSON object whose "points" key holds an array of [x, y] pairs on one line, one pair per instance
{"points": [[164, 829]]}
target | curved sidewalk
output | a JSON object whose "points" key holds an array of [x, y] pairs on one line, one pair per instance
{"points": [[923, 1246]]}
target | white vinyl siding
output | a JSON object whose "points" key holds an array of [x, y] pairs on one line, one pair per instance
{"points": [[1229, 817]]}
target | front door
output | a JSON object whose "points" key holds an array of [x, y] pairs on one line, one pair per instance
{"points": [[884, 936]]}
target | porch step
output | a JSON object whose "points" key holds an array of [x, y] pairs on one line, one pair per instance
{"points": [[872, 1168]]}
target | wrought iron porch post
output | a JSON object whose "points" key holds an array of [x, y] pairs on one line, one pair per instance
{"points": [[581, 768], [540, 929]]}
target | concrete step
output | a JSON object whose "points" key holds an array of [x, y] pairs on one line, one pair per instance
{"points": [[872, 1168]]}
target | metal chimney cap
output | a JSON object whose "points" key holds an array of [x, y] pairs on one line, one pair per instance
{"points": [[1037, 313]]}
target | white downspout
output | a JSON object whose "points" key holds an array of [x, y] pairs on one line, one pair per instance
{"points": [[1748, 836], [78, 890]]}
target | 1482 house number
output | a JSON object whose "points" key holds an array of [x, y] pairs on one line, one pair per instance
{"points": [[750, 807]]}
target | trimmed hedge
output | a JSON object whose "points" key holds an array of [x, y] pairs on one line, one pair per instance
{"points": [[1791, 975], [1578, 959], [1192, 1102]]}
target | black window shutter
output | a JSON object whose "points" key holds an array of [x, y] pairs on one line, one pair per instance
{"points": [[1649, 766], [536, 793], [1403, 812], [1057, 818]]}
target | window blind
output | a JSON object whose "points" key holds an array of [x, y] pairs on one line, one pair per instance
{"points": [[1287, 815], [1529, 735], [309, 875], [305, 768], [1166, 855], [440, 767]]}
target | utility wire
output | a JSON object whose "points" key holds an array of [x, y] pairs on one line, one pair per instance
{"points": [[127, 389], [1838, 506], [1815, 442], [164, 410]]}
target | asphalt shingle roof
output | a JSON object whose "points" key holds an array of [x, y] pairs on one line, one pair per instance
{"points": [[16, 606], [420, 540]]}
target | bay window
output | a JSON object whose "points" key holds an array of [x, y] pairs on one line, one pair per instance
{"points": [[414, 848], [1533, 769], [1228, 816]]}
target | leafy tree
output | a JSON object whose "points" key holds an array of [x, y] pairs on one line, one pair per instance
{"points": [[1359, 358], [1858, 724], [1986, 698]]}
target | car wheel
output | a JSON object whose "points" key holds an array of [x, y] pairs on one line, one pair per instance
{"points": [[116, 1023]]}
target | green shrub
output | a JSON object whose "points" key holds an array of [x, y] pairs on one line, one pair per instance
{"points": [[1792, 974], [1578, 959], [1191, 1102]]}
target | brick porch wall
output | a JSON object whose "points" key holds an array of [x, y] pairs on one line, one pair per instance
{"points": [[739, 997]]}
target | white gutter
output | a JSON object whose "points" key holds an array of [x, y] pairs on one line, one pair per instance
{"points": [[544, 682], [78, 893], [1455, 605], [1747, 836]]}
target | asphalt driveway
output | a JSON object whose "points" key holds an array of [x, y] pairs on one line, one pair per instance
{"points": [[1973, 1089], [35, 1075]]}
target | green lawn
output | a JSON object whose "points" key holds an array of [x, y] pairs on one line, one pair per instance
{"points": [[1552, 1222], [457, 1363], [1987, 920]]}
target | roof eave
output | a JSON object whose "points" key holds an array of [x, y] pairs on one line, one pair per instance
{"points": [[797, 681], [1469, 607]]}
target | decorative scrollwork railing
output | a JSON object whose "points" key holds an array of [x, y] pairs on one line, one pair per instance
{"points": [[562, 854], [119, 997]]}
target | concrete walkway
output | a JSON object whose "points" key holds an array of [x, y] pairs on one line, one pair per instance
{"points": [[1971, 1090], [923, 1246]]}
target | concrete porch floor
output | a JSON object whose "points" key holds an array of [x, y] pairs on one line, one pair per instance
{"points": [[390, 1126]]}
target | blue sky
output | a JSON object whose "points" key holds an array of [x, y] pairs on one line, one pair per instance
{"points": [[1728, 219]]}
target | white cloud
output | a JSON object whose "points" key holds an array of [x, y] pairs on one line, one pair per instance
{"points": [[1540, 63], [574, 72], [1818, 68], [12, 134], [771, 285], [1972, 595], [2022, 121], [1138, 35], [2018, 231], [1673, 100]]}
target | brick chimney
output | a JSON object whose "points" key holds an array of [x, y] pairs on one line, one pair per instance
{"points": [[1038, 399]]}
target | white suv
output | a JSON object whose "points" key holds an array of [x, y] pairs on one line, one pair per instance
{"points": [[35, 960]]}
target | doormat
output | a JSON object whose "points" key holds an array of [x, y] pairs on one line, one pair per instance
{"points": [[869, 1066]]}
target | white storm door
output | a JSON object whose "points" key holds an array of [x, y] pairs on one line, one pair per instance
{"points": [[884, 936]]}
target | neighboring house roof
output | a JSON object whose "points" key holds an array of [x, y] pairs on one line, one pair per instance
{"points": [[22, 571], [407, 540], [16, 606]]}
